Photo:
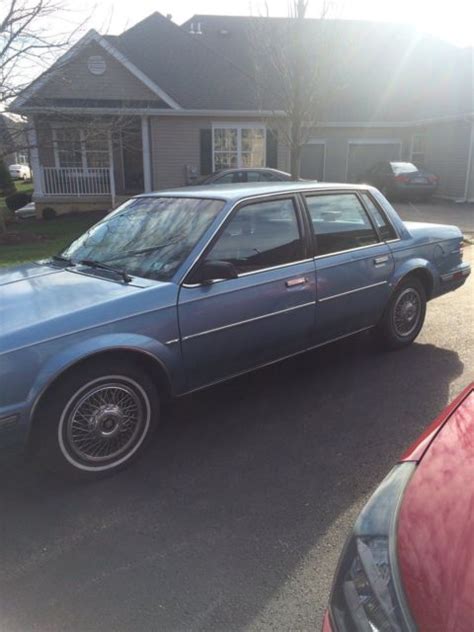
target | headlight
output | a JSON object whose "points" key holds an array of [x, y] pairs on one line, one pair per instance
{"points": [[367, 595]]}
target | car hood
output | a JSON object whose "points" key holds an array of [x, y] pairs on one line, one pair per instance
{"points": [[40, 301], [435, 529]]}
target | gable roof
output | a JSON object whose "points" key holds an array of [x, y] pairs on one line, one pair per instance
{"points": [[388, 72], [385, 72], [185, 67], [60, 66]]}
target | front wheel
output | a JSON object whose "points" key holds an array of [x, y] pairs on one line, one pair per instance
{"points": [[97, 420], [404, 316]]}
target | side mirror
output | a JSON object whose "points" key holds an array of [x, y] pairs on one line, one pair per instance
{"points": [[214, 271]]}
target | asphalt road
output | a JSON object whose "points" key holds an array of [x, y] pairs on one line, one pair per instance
{"points": [[235, 518]]}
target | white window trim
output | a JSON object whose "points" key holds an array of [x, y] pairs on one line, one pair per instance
{"points": [[412, 145], [240, 126], [372, 141], [82, 141]]}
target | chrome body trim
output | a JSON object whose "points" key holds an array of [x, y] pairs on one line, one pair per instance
{"points": [[342, 252], [280, 359], [248, 320], [359, 289]]}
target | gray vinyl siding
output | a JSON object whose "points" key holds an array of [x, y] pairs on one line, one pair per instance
{"points": [[175, 143], [338, 142], [447, 149]]}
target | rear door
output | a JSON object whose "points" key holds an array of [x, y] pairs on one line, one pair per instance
{"points": [[353, 265], [267, 312]]}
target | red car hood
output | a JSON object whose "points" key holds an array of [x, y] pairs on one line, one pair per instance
{"points": [[436, 523]]}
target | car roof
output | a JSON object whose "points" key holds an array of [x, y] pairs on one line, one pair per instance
{"points": [[232, 169], [235, 192]]}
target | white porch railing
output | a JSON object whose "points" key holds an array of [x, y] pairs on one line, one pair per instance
{"points": [[76, 181]]}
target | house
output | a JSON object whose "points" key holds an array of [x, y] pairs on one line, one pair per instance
{"points": [[162, 104]]}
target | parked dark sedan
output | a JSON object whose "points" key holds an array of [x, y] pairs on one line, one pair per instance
{"points": [[401, 179], [240, 176]]}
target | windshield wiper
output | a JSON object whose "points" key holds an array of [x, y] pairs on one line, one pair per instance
{"points": [[62, 259], [103, 266], [144, 251]]}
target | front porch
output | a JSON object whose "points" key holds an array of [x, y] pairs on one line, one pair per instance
{"points": [[90, 164]]}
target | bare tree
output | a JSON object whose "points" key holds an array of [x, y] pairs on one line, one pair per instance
{"points": [[293, 74], [31, 39]]}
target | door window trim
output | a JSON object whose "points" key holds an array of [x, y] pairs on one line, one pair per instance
{"points": [[356, 192], [302, 228], [382, 212]]}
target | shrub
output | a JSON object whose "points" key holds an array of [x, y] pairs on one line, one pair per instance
{"points": [[48, 213], [17, 200], [7, 185]]}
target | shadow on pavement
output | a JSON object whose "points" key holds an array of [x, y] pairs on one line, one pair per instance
{"points": [[241, 482]]}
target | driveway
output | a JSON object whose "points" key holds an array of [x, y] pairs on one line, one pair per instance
{"points": [[439, 212], [235, 518]]}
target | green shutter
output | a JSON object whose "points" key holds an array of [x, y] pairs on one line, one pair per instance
{"points": [[206, 152], [272, 148]]}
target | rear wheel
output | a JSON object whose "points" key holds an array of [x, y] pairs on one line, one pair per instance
{"points": [[97, 420], [404, 316]]}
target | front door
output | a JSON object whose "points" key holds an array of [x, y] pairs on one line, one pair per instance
{"points": [[267, 312], [353, 265]]}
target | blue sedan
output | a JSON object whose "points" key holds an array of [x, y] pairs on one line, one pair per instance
{"points": [[178, 290]]}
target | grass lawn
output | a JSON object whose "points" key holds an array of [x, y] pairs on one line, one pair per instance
{"points": [[57, 233]]}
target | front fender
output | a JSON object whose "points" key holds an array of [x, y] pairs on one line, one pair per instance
{"points": [[166, 355]]}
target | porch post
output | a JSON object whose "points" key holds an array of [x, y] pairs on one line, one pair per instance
{"points": [[146, 154], [111, 169], [34, 159]]}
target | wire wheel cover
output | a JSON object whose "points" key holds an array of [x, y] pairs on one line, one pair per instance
{"points": [[105, 423]]}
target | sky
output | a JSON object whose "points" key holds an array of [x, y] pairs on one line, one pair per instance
{"points": [[451, 20]]}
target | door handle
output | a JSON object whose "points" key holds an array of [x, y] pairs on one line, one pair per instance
{"points": [[380, 261], [297, 281]]}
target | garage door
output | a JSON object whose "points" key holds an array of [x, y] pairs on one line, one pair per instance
{"points": [[363, 156], [312, 161]]}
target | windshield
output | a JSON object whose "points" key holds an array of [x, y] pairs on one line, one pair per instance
{"points": [[147, 237]]}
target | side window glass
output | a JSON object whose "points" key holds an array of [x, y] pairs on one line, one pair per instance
{"points": [[260, 235], [386, 230], [254, 176], [339, 223], [225, 179], [239, 177]]}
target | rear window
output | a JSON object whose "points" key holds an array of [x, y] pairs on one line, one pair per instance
{"points": [[403, 167], [385, 229]]}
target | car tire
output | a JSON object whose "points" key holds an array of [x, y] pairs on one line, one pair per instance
{"points": [[97, 420], [404, 315]]}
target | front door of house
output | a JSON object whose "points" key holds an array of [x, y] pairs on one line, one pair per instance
{"points": [[132, 158]]}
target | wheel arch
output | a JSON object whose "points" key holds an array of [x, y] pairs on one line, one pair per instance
{"points": [[420, 270], [146, 360]]}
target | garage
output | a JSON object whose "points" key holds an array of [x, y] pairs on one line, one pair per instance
{"points": [[362, 155], [312, 160]]}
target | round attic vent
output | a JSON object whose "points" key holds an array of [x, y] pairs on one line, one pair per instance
{"points": [[96, 65]]}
